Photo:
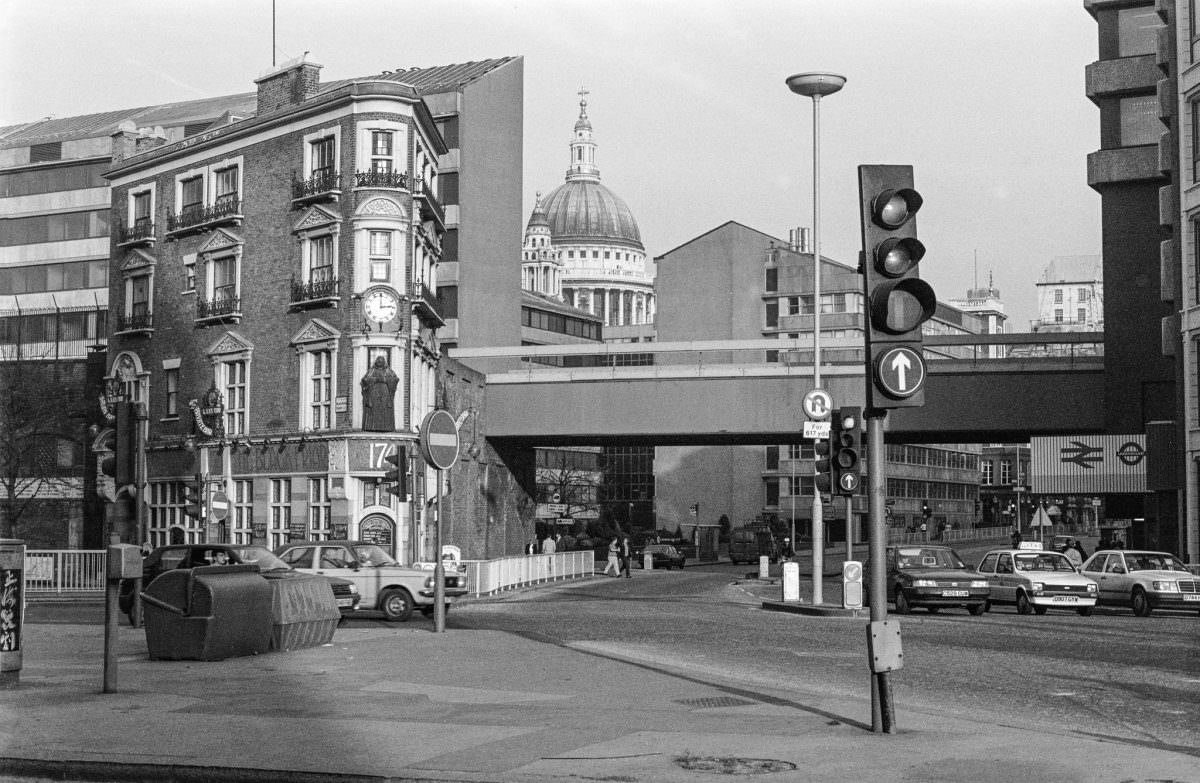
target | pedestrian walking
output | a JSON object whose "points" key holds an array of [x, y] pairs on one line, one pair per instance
{"points": [[1083, 555], [548, 546], [532, 547], [613, 549], [1072, 554], [626, 557], [1016, 539]]}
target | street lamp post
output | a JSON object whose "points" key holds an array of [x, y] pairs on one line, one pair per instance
{"points": [[816, 85]]}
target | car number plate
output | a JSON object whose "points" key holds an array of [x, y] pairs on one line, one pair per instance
{"points": [[1195, 597], [345, 602], [1066, 599], [955, 594]]}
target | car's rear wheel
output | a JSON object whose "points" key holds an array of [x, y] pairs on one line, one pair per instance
{"points": [[1023, 605], [1084, 611], [902, 605], [1141, 604], [977, 609], [397, 605]]}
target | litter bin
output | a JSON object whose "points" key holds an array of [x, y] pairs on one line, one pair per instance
{"points": [[208, 613], [304, 612]]}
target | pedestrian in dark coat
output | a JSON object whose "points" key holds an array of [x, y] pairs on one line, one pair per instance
{"points": [[626, 556]]}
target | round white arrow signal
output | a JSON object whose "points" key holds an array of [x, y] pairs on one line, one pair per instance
{"points": [[900, 372]]}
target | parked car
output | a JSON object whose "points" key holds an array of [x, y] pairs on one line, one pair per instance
{"points": [[172, 556], [662, 556], [383, 583], [1143, 580], [1035, 579], [933, 577]]}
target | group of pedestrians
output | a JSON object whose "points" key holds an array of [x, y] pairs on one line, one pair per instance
{"points": [[619, 556]]}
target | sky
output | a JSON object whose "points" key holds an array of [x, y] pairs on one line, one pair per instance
{"points": [[694, 122]]}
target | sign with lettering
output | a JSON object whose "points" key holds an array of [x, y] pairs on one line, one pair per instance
{"points": [[371, 454], [376, 529], [11, 602]]}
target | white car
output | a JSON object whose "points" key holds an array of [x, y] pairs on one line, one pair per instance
{"points": [[1035, 580], [1143, 580]]}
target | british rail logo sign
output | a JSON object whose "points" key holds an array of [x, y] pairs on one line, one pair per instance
{"points": [[1088, 463]]}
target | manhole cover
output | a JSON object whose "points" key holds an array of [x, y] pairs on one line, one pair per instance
{"points": [[714, 701], [733, 765]]}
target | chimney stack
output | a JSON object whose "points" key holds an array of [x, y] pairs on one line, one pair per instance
{"points": [[291, 84]]}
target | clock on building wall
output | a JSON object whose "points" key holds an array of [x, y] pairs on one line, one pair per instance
{"points": [[381, 305]]}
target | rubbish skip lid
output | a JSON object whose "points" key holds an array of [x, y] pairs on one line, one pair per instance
{"points": [[208, 613]]}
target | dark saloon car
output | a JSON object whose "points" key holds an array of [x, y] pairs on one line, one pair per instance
{"points": [[663, 556], [171, 556], [933, 577]]}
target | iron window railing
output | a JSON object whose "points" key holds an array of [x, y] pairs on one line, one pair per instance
{"points": [[199, 215], [321, 182], [381, 179]]}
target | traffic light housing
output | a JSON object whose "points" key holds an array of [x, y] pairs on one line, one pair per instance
{"points": [[193, 501], [897, 300], [396, 477], [823, 463], [845, 438]]}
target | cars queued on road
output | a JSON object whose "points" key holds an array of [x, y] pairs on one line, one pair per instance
{"points": [[1143, 580], [383, 583]]}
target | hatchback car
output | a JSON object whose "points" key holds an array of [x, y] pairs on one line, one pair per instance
{"points": [[383, 583], [1143, 580], [1035, 580], [172, 556], [662, 556], [933, 577]]}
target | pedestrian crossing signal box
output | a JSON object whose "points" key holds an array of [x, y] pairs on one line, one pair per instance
{"points": [[884, 650]]}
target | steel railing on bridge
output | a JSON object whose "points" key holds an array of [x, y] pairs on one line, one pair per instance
{"points": [[59, 571]]}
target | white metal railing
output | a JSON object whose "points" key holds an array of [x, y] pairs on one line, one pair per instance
{"points": [[83, 571], [487, 577], [900, 535], [65, 570]]}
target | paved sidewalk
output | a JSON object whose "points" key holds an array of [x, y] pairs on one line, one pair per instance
{"points": [[398, 702]]}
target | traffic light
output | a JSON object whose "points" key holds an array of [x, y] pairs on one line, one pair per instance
{"points": [[396, 476], [193, 502], [824, 467], [125, 444], [898, 301], [845, 440]]}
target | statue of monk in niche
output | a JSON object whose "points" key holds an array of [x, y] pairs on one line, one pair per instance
{"points": [[379, 391]]}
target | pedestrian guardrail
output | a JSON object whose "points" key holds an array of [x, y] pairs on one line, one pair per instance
{"points": [[60, 571], [950, 536], [488, 577], [65, 571]]}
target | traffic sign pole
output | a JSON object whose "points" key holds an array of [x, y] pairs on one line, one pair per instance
{"points": [[439, 570], [439, 445], [883, 717]]}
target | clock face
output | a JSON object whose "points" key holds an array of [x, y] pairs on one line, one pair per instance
{"points": [[380, 306]]}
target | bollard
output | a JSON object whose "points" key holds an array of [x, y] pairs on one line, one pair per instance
{"points": [[647, 561], [12, 610], [791, 581], [764, 567]]}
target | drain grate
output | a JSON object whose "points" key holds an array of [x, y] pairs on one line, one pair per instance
{"points": [[733, 765], [715, 701]]}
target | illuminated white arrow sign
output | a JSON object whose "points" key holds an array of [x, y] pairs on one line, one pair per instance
{"points": [[901, 364]]}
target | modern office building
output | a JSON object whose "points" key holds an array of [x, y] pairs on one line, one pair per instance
{"points": [[1145, 88], [736, 283]]}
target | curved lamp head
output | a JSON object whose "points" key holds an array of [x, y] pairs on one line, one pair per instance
{"points": [[815, 84]]}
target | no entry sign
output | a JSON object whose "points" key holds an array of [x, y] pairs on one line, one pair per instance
{"points": [[439, 440]]}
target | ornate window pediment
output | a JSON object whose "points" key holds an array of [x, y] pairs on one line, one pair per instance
{"points": [[317, 217], [230, 343], [220, 240], [136, 261], [381, 206], [315, 334]]}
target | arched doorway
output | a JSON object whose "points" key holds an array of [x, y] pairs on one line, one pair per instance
{"points": [[378, 529]]}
